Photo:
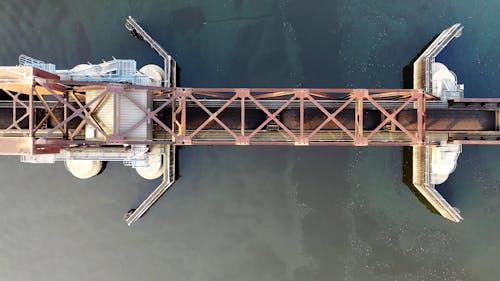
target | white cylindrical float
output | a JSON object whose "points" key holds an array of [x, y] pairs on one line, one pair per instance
{"points": [[83, 169], [443, 161], [154, 169], [155, 73], [442, 78]]}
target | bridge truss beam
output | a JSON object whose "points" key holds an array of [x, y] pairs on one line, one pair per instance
{"points": [[171, 117]]}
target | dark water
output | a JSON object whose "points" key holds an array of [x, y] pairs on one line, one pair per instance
{"points": [[256, 213]]}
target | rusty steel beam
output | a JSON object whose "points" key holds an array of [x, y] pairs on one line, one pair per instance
{"points": [[177, 99], [177, 128], [287, 96]]}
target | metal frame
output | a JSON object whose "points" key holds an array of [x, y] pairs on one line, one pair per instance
{"points": [[51, 94], [242, 98], [168, 158], [169, 64]]}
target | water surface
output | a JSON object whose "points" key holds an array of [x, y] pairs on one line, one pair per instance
{"points": [[256, 213]]}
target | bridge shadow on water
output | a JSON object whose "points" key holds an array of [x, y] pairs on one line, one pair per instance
{"points": [[408, 69], [407, 168]]}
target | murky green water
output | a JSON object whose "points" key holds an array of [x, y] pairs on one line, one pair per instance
{"points": [[256, 213]]}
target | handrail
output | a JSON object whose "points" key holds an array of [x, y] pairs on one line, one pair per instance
{"points": [[168, 180], [169, 62]]}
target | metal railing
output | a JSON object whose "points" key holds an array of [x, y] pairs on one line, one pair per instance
{"points": [[168, 156], [423, 65], [25, 60], [170, 65]]}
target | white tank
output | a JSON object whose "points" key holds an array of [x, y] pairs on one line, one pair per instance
{"points": [[80, 67], [154, 72], [444, 161], [154, 169], [442, 79], [83, 169]]}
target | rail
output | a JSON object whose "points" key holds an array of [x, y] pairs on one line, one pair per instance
{"points": [[422, 67], [168, 156], [169, 63]]}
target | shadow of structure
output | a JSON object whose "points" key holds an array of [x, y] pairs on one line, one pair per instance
{"points": [[407, 167], [408, 69]]}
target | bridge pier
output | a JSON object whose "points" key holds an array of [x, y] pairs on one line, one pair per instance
{"points": [[433, 164]]}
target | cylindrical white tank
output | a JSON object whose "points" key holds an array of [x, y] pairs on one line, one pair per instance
{"points": [[444, 161], [155, 73], [83, 169], [154, 169], [440, 76], [80, 67]]}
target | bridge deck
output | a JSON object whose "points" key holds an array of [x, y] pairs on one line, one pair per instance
{"points": [[54, 114]]}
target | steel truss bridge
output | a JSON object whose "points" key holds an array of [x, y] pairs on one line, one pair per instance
{"points": [[42, 115]]}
